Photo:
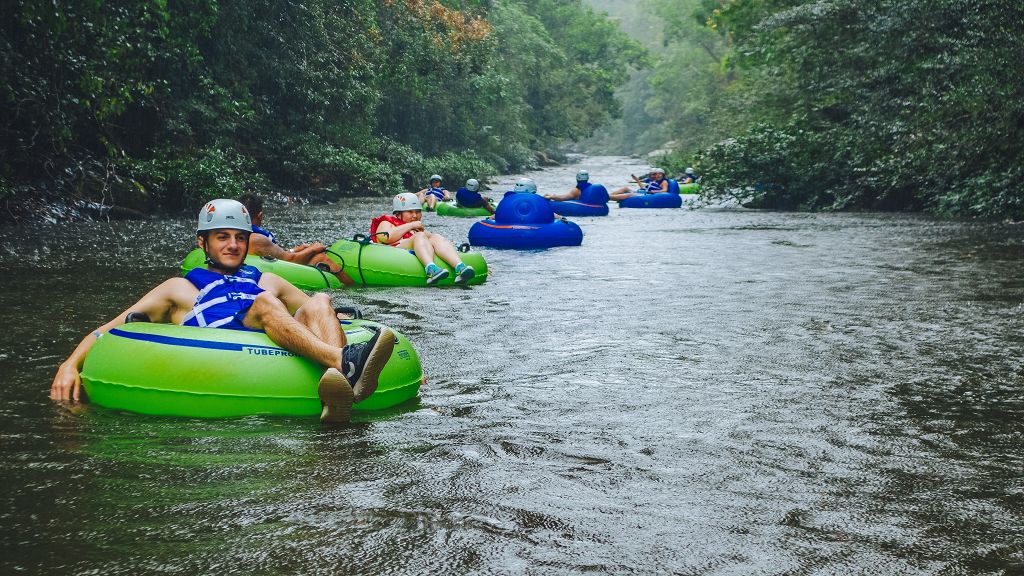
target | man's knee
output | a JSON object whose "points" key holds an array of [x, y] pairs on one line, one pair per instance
{"points": [[265, 302]]}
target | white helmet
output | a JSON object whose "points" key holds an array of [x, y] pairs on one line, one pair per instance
{"points": [[223, 213], [657, 171], [582, 176], [472, 184], [436, 177], [689, 171], [525, 185], [406, 201]]}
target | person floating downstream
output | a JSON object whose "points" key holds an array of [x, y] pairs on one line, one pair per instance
{"points": [[582, 183], [469, 196], [434, 193], [229, 294], [263, 243], [654, 183], [404, 229], [689, 177]]}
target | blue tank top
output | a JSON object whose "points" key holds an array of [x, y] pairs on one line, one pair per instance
{"points": [[467, 198], [223, 299], [582, 185], [436, 192], [256, 229]]}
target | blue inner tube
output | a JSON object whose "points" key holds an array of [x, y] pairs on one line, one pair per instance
{"points": [[578, 208], [657, 200], [523, 208], [525, 236]]}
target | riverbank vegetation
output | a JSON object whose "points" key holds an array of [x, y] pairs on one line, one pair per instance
{"points": [[840, 104], [160, 105]]}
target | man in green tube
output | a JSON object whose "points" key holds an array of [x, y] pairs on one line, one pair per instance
{"points": [[231, 295], [263, 243]]}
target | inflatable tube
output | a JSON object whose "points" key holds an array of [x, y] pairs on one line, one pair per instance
{"points": [[453, 209], [592, 202], [171, 370], [382, 265], [525, 236], [594, 194], [578, 208], [673, 186], [301, 276], [691, 188], [656, 200], [524, 208]]}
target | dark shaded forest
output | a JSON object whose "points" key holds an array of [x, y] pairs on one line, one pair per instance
{"points": [[833, 104], [158, 106]]}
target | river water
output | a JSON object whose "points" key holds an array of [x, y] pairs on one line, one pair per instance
{"points": [[711, 391]]}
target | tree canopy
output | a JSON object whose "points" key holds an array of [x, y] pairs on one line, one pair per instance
{"points": [[844, 104], [163, 104]]}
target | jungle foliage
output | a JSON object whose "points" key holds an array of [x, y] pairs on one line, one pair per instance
{"points": [[164, 104], [846, 104]]}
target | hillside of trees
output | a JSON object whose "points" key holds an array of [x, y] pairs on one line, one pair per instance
{"points": [[834, 104], [157, 106]]}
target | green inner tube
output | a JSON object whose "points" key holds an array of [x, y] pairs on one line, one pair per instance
{"points": [[170, 370], [691, 188], [383, 265], [453, 209], [299, 275]]}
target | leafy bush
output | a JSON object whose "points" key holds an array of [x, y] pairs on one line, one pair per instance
{"points": [[187, 182], [457, 168]]}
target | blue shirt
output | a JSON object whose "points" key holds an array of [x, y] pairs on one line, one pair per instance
{"points": [[467, 198]]}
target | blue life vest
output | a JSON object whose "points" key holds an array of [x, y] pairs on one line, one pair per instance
{"points": [[223, 299], [436, 192], [652, 186], [468, 199], [257, 230], [264, 232]]}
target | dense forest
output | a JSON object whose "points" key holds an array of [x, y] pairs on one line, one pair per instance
{"points": [[833, 104], [792, 104], [160, 105]]}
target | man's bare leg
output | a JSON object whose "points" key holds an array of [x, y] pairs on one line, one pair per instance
{"points": [[318, 315], [270, 315]]}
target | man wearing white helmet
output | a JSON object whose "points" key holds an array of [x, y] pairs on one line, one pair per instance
{"points": [[231, 295], [434, 193], [403, 228], [582, 183], [469, 196], [653, 184], [689, 177], [526, 185]]}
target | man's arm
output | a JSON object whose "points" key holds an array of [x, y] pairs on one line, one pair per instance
{"points": [[158, 304], [570, 195], [260, 245]]}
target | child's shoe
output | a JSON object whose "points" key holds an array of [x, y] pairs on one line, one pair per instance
{"points": [[435, 273], [464, 273]]}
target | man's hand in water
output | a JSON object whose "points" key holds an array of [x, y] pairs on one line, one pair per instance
{"points": [[67, 384]]}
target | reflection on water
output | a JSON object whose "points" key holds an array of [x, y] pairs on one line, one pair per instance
{"points": [[693, 391]]}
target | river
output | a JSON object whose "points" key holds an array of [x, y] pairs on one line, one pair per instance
{"points": [[711, 391]]}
